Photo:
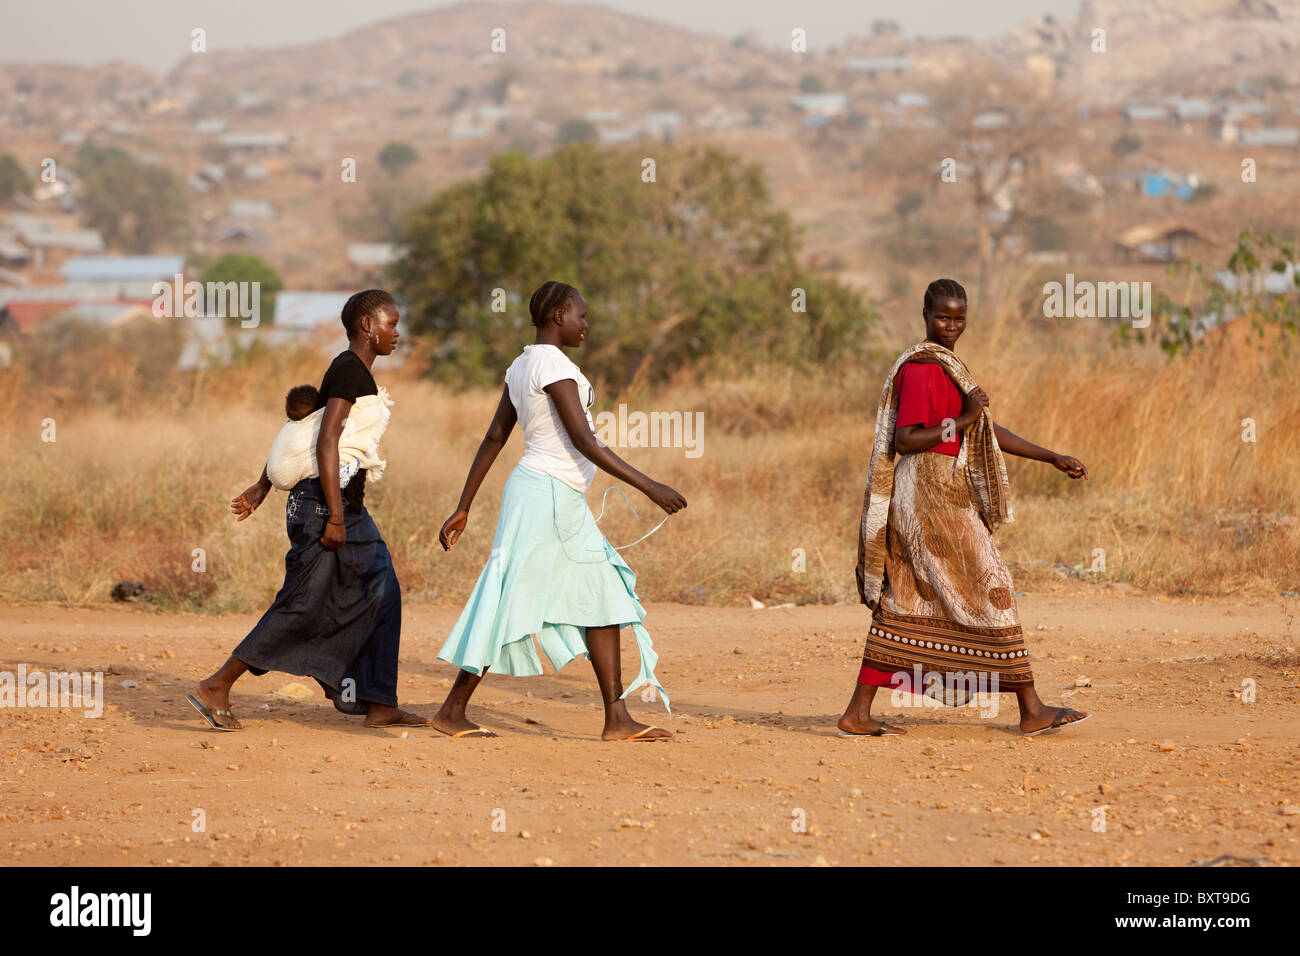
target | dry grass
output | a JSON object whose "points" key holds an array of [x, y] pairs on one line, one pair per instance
{"points": [[1177, 501]]}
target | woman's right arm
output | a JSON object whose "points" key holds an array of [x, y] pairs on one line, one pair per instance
{"points": [[503, 422], [574, 419], [910, 439], [327, 467]]}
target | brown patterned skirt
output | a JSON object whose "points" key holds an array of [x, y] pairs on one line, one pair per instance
{"points": [[947, 605]]}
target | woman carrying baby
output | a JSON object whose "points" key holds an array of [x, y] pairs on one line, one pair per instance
{"points": [[338, 616]]}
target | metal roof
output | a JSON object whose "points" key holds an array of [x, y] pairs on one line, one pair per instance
{"points": [[121, 268]]}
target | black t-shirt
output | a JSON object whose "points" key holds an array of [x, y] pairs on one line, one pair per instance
{"points": [[349, 379]]}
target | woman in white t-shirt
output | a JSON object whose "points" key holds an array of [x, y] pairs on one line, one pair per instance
{"points": [[551, 574]]}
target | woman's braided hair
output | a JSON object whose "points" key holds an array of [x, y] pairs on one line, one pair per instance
{"points": [[943, 289], [551, 297], [362, 304]]}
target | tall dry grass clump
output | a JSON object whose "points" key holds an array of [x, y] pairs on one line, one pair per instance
{"points": [[1177, 501]]}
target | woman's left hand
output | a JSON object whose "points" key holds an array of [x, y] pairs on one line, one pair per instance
{"points": [[452, 528], [1071, 466], [247, 503]]}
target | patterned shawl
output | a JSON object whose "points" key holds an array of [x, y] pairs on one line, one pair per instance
{"points": [[986, 471]]}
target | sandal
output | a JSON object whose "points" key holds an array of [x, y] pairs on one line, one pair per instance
{"points": [[474, 732], [641, 735], [210, 714], [882, 731], [1058, 722]]}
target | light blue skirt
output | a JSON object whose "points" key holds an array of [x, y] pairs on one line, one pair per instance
{"points": [[551, 575]]}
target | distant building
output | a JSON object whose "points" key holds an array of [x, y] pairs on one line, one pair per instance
{"points": [[1137, 113], [821, 104], [1287, 137], [22, 316], [615, 137], [661, 123], [469, 132], [44, 236], [240, 232], [118, 270], [374, 255], [1282, 282], [12, 252], [257, 142], [990, 120], [879, 64], [308, 311], [1159, 242], [250, 209], [1190, 110]]}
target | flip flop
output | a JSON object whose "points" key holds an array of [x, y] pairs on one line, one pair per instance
{"points": [[882, 731], [641, 735], [1056, 723], [475, 732], [208, 714]]}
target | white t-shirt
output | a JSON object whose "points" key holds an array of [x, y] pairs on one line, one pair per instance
{"points": [[547, 448]]}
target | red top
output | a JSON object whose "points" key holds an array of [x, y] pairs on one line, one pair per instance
{"points": [[926, 396]]}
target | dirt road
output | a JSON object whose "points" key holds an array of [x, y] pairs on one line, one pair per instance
{"points": [[1173, 768]]}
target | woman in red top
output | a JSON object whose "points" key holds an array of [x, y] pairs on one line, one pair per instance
{"points": [[944, 612]]}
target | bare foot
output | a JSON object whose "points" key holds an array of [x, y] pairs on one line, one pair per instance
{"points": [[1045, 717], [217, 697], [868, 727], [381, 715]]}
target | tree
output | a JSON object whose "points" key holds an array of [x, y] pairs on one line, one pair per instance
{"points": [[694, 268], [999, 125], [13, 178], [908, 203], [240, 267], [395, 157], [1126, 144], [383, 216], [90, 156], [811, 83], [135, 206], [1259, 284], [499, 88], [575, 131]]}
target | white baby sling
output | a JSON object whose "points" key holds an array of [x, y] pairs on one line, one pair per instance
{"points": [[293, 453]]}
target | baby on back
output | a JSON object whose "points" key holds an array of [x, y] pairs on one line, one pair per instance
{"points": [[300, 402], [293, 453]]}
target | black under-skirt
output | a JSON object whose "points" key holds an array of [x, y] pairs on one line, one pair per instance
{"points": [[338, 616]]}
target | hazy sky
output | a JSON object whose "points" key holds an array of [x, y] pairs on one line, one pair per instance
{"points": [[156, 33]]}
